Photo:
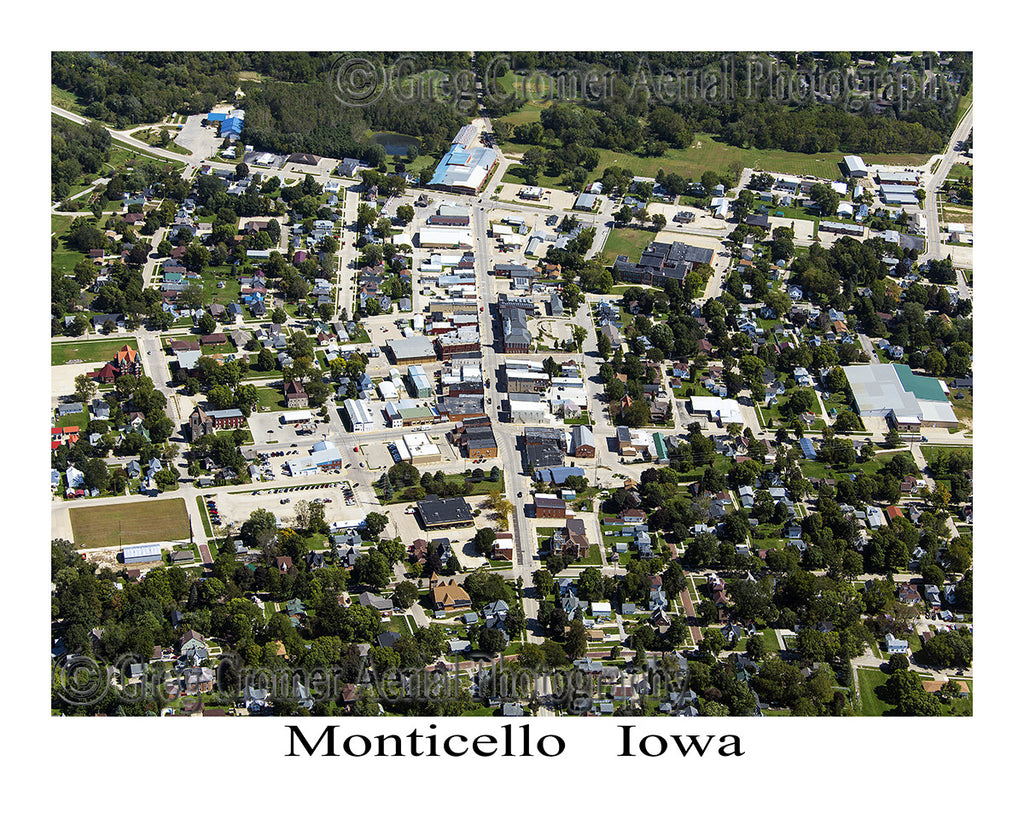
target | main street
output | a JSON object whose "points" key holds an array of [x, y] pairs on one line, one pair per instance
{"points": [[934, 184], [516, 485]]}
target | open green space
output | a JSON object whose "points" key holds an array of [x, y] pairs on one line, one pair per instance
{"points": [[137, 522], [530, 112], [204, 517], [98, 351], [771, 640], [67, 100], [272, 398], [630, 242], [707, 153], [933, 453], [963, 407], [76, 419], [870, 681], [959, 171], [481, 487]]}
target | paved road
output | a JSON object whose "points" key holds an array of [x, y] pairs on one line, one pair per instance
{"points": [[869, 348], [933, 249]]}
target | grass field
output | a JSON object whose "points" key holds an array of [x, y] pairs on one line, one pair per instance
{"points": [[963, 407], [64, 99], [122, 523], [932, 453], [530, 112], [98, 351], [870, 679], [629, 242], [708, 154], [959, 171], [271, 397], [964, 104]]}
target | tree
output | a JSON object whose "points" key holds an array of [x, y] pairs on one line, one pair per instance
{"points": [[544, 582], [372, 569], [206, 324], [483, 540], [375, 524], [658, 221], [85, 388], [405, 213], [259, 530], [825, 197], [491, 640], [576, 640], [405, 594]]}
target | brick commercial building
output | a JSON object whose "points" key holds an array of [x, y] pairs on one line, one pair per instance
{"points": [[454, 408], [582, 442], [515, 334], [549, 506], [201, 422], [662, 262], [479, 442]]}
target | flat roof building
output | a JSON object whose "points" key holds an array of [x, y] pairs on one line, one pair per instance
{"points": [[898, 195], [444, 514], [724, 410], [463, 170], [893, 391], [325, 455], [412, 350], [421, 449]]}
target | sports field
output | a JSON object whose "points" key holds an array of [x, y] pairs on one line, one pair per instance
{"points": [[125, 523]]}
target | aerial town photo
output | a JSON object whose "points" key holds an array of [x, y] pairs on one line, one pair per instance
{"points": [[511, 384]]}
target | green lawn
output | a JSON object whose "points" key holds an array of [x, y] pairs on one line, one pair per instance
{"points": [[771, 640], [98, 351], [707, 153], [593, 557], [965, 102], [963, 407], [472, 488], [871, 679], [200, 501], [136, 522], [629, 242], [76, 419], [530, 112], [271, 397], [932, 453], [959, 171]]}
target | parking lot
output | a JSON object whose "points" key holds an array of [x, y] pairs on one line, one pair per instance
{"points": [[267, 429], [203, 142], [233, 509]]}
